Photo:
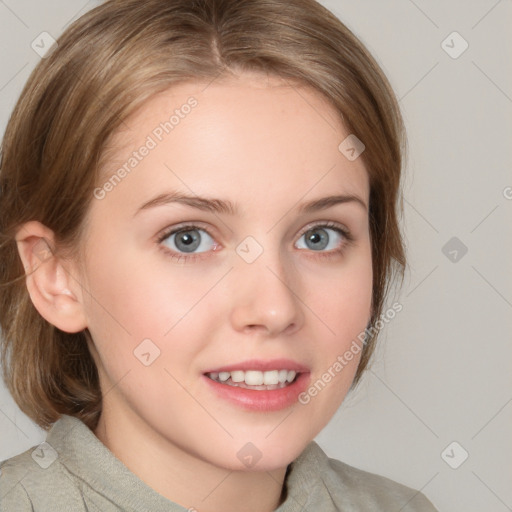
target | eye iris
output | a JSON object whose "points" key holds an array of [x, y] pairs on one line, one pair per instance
{"points": [[319, 237], [191, 240]]}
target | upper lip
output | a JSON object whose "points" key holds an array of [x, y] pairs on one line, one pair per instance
{"points": [[262, 366]]}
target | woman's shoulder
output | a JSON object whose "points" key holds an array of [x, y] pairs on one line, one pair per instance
{"points": [[12, 492], [73, 470], [43, 477], [28, 479], [377, 490], [331, 484]]}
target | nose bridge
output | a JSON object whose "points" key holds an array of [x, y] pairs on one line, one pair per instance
{"points": [[265, 289]]}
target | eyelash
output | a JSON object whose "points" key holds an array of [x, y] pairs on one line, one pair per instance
{"points": [[348, 240]]}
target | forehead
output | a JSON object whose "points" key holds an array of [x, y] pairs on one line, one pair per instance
{"points": [[248, 137]]}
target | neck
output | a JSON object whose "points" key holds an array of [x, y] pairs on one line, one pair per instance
{"points": [[183, 477]]}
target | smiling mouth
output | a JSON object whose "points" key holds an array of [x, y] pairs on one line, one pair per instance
{"points": [[254, 379]]}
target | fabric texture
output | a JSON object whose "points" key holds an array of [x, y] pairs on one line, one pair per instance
{"points": [[73, 471]]}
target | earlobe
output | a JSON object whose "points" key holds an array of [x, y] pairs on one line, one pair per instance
{"points": [[53, 290]]}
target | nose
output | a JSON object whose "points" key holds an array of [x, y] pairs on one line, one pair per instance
{"points": [[264, 297]]}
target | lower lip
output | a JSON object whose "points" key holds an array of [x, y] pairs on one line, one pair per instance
{"points": [[261, 400]]}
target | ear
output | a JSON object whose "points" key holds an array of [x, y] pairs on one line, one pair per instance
{"points": [[54, 291]]}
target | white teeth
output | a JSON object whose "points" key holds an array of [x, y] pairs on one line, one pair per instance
{"points": [[282, 375], [271, 377], [255, 378], [291, 375], [238, 376]]}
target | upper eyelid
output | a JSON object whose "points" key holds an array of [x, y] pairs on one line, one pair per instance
{"points": [[326, 223], [166, 232]]}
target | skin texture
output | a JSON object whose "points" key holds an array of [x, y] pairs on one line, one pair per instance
{"points": [[268, 147]]}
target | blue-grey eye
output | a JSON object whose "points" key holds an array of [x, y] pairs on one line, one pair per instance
{"points": [[189, 240], [320, 238]]}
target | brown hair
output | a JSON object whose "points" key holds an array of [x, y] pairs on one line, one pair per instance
{"points": [[106, 65]]}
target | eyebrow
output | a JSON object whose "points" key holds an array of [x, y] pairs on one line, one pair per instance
{"points": [[227, 207]]}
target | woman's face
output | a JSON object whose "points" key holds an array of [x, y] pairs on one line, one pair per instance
{"points": [[217, 255]]}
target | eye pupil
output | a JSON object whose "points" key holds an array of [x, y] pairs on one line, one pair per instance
{"points": [[318, 237], [190, 239]]}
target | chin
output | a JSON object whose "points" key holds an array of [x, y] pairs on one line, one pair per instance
{"points": [[262, 454]]}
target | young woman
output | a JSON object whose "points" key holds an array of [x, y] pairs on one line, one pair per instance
{"points": [[199, 219]]}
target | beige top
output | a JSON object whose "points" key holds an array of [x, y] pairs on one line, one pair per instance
{"points": [[76, 472]]}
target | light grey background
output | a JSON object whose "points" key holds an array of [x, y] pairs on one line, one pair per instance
{"points": [[442, 373]]}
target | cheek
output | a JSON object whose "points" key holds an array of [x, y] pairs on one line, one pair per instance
{"points": [[119, 301], [341, 298], [129, 299], [342, 303], [134, 297]]}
